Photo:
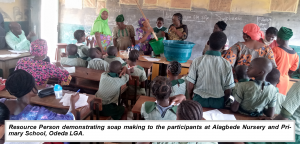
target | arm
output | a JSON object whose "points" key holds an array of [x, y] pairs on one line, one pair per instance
{"points": [[59, 72], [115, 42], [144, 38], [190, 90], [235, 106], [73, 100], [269, 112], [227, 94], [98, 40], [192, 77], [177, 99], [133, 41], [17, 45], [87, 41], [294, 65]]}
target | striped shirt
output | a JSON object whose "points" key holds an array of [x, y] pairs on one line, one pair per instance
{"points": [[109, 87], [211, 74], [110, 59], [252, 98], [139, 72], [73, 61], [178, 87], [292, 105], [83, 50], [98, 64], [155, 114]]}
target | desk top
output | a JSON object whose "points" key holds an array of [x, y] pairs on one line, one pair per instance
{"points": [[3, 52], [86, 73], [137, 109]]}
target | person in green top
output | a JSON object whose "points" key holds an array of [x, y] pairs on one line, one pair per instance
{"points": [[160, 30], [102, 31]]}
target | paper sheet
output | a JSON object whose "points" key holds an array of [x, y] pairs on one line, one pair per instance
{"points": [[18, 52], [77, 4], [222, 116], [208, 114], [151, 59], [70, 69], [82, 101]]}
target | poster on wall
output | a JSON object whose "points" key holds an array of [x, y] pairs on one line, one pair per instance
{"points": [[89, 3], [181, 4], [220, 5], [75, 4], [284, 5]]}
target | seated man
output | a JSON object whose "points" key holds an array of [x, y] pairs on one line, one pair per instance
{"points": [[16, 38], [2, 33]]}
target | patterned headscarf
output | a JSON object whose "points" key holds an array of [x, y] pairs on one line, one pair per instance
{"points": [[253, 31], [38, 48], [141, 21], [285, 33]]}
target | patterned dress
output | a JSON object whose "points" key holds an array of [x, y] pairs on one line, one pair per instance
{"points": [[173, 36], [106, 41], [42, 71], [145, 46]]}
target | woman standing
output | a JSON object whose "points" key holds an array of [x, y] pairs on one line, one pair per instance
{"points": [[101, 31], [286, 59], [219, 26], [123, 35], [144, 36], [242, 53], [177, 30], [269, 39]]}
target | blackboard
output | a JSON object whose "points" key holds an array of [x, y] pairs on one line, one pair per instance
{"points": [[200, 23]]}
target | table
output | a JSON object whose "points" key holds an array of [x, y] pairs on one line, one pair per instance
{"points": [[7, 63], [51, 101], [137, 109]]}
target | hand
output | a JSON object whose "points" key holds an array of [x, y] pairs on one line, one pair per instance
{"points": [[58, 64], [31, 34], [92, 41], [177, 99], [173, 28], [150, 30], [123, 71], [87, 39], [63, 55], [163, 33], [74, 98]]}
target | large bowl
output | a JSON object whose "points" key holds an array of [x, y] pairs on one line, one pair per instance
{"points": [[180, 51]]}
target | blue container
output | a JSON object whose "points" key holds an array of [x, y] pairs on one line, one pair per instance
{"points": [[180, 51]]}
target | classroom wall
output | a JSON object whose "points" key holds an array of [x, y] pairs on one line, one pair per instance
{"points": [[199, 21], [16, 12]]}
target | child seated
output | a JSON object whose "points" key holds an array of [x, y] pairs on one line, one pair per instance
{"points": [[112, 52], [83, 50], [250, 98], [161, 109], [109, 89], [241, 73], [160, 30], [178, 85], [210, 76], [97, 62], [273, 77], [72, 58], [136, 70]]}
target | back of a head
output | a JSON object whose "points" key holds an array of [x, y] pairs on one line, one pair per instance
{"points": [[115, 67], [175, 68], [72, 49], [222, 25], [189, 110], [38, 47], [262, 63], [4, 113], [20, 83], [78, 34], [93, 53], [217, 40], [134, 55], [273, 77], [160, 19], [112, 50], [241, 72], [161, 87], [272, 30]]}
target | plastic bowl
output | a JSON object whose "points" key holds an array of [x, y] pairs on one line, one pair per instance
{"points": [[180, 51]]}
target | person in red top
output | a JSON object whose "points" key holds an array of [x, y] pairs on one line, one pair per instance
{"points": [[286, 58], [269, 39]]}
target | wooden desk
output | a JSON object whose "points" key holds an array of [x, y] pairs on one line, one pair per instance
{"points": [[9, 62], [5, 94], [86, 78], [137, 109]]}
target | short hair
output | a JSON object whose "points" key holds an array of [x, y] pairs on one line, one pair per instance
{"points": [[112, 50], [72, 49], [98, 48], [160, 19], [274, 76], [190, 110], [179, 16], [78, 34], [134, 55], [20, 83], [115, 67], [175, 68], [93, 53], [222, 25], [5, 113], [241, 71], [217, 40], [272, 30], [161, 87]]}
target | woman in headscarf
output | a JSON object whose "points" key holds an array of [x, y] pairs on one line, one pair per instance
{"points": [[42, 70], [123, 35], [102, 31], [177, 30], [286, 58], [242, 53], [144, 35], [269, 39], [219, 26]]}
